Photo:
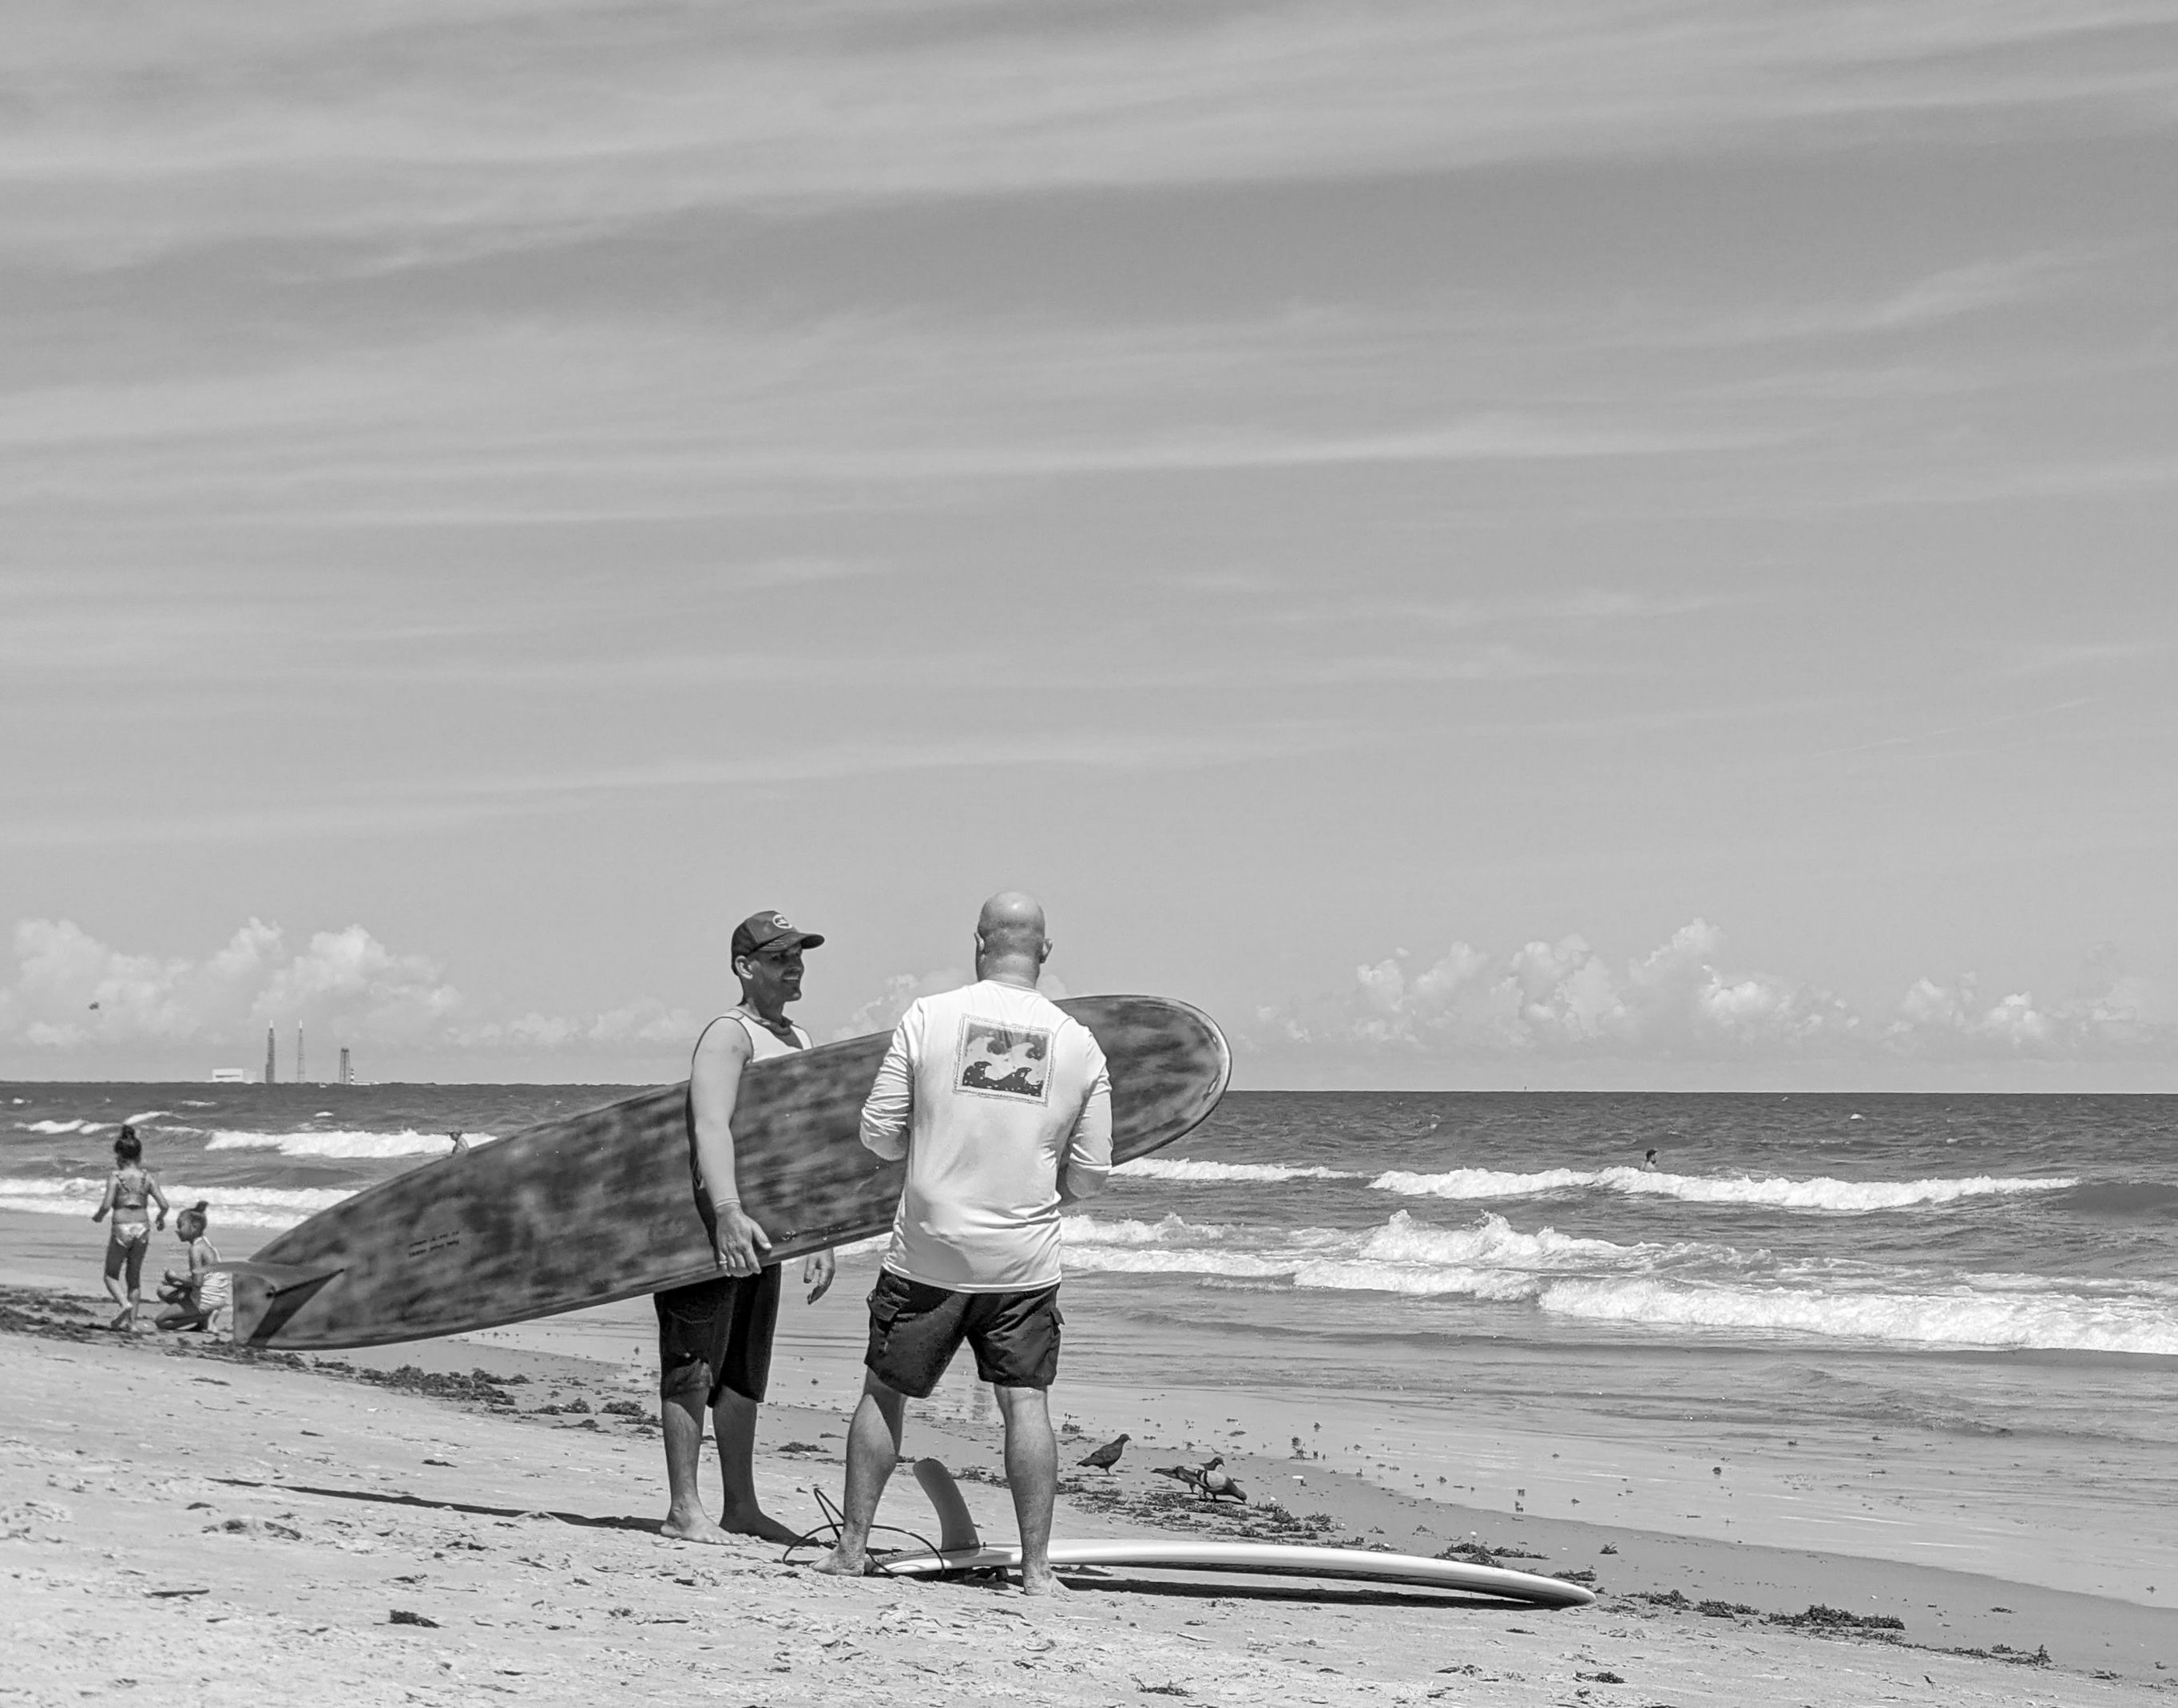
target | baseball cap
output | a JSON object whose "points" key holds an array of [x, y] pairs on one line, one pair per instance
{"points": [[769, 930]]}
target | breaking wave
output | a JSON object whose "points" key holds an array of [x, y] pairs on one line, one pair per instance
{"points": [[1777, 1191], [1180, 1168], [1700, 1286], [1088, 1231], [408, 1143]]}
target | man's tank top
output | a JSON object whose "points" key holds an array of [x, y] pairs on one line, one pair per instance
{"points": [[763, 1045]]}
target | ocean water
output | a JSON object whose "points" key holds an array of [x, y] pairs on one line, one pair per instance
{"points": [[1980, 1267]]}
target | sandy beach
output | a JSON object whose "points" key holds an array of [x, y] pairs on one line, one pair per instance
{"points": [[182, 1517]]}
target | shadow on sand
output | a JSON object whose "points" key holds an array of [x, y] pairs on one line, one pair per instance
{"points": [[375, 1499]]}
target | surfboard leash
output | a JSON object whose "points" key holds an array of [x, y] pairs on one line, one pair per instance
{"points": [[835, 1526]]}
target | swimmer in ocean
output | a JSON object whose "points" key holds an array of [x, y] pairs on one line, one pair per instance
{"points": [[1648, 1161]]}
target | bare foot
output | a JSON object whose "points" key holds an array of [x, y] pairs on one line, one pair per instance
{"points": [[756, 1522], [695, 1527], [1042, 1582], [834, 1564]]}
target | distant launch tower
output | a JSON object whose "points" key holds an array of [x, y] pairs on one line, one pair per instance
{"points": [[299, 1075], [346, 1078], [271, 1064]]}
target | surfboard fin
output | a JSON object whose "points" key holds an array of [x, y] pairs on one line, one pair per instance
{"points": [[956, 1529], [267, 1296]]}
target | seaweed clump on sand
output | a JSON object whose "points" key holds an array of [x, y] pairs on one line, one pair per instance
{"points": [[50, 1315], [1822, 1618], [2013, 1657], [479, 1388]]}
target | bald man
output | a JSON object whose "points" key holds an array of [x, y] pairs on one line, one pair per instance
{"points": [[1001, 1104]]}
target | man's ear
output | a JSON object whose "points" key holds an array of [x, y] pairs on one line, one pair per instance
{"points": [[1044, 954]]}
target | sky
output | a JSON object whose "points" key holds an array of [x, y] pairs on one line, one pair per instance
{"points": [[1616, 545]]}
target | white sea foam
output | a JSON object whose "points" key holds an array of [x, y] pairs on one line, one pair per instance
{"points": [[1494, 1242], [1684, 1285], [1776, 1192], [1960, 1317], [1088, 1231], [1181, 1168], [55, 1127], [336, 1143], [248, 1207], [149, 1115], [1173, 1260], [1415, 1280]]}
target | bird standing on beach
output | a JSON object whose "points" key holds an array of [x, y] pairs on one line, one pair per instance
{"points": [[1105, 1457], [1218, 1485]]}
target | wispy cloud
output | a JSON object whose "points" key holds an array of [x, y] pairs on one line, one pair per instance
{"points": [[1953, 294], [608, 420], [365, 809], [442, 128]]}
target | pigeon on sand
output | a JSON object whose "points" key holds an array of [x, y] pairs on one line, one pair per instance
{"points": [[1105, 1457], [1209, 1479]]}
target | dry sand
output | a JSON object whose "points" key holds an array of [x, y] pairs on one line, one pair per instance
{"points": [[204, 1526]]}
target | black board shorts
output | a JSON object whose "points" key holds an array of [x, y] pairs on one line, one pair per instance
{"points": [[915, 1329], [725, 1324]]}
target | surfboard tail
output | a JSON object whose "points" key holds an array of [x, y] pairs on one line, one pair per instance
{"points": [[267, 1296]]}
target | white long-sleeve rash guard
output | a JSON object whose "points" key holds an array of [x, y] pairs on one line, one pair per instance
{"points": [[996, 1097]]}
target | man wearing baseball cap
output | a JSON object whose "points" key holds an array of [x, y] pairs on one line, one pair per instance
{"points": [[715, 1335]]}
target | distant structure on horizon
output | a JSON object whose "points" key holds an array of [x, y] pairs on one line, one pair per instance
{"points": [[346, 1078], [230, 1076], [272, 1058], [299, 1075]]}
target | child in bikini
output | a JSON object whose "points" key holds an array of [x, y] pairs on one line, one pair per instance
{"points": [[201, 1299], [130, 1191]]}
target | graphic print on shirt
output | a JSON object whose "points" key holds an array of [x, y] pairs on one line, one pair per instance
{"points": [[1002, 1061]]}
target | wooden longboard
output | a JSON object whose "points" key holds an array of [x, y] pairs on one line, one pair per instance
{"points": [[602, 1206]]}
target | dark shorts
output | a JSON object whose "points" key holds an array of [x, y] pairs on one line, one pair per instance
{"points": [[725, 1324], [915, 1330]]}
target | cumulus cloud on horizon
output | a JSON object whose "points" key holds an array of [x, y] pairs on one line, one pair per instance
{"points": [[1685, 1000], [72, 991]]}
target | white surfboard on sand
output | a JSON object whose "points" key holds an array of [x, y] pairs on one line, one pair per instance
{"points": [[960, 1549]]}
